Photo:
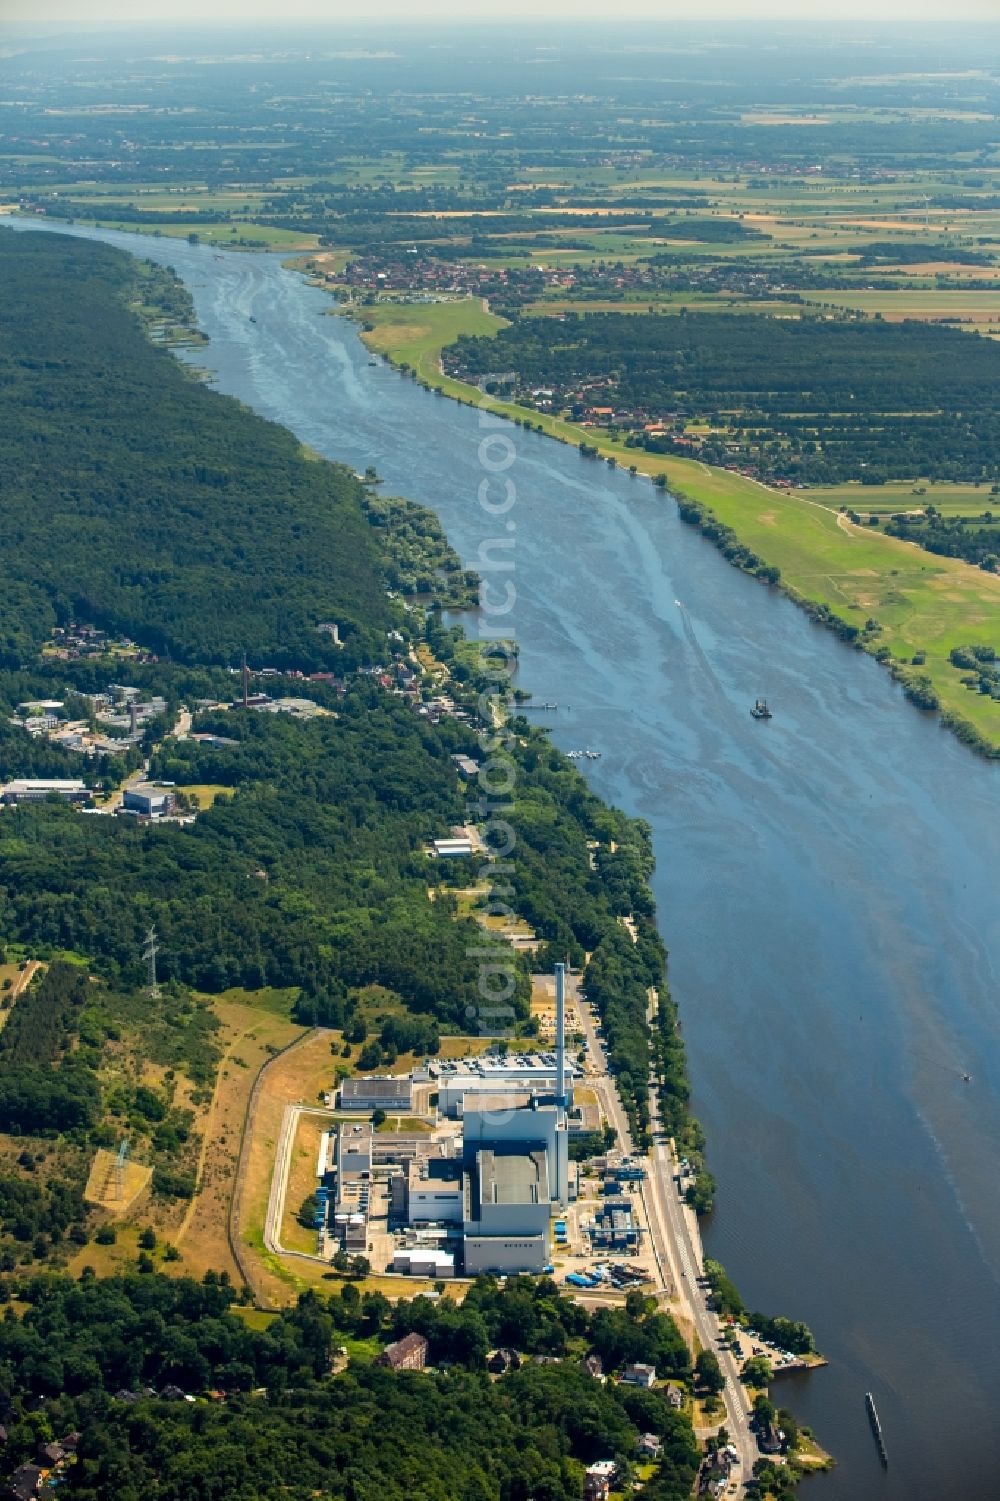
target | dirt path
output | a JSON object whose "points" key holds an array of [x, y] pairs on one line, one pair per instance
{"points": [[25, 978]]}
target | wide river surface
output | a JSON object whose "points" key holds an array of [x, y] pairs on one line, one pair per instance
{"points": [[827, 882]]}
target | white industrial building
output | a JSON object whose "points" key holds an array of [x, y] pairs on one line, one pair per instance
{"points": [[149, 800], [37, 789], [493, 1203], [423, 1261], [451, 849], [391, 1092], [435, 1194], [537, 1075], [459, 1092]]}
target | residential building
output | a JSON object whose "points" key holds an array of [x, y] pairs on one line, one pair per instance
{"points": [[649, 1446], [23, 1484], [639, 1374], [502, 1360], [407, 1354], [467, 766], [597, 1481]]}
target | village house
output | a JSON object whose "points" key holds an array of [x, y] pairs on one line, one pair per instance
{"points": [[597, 1481], [23, 1484], [407, 1354]]}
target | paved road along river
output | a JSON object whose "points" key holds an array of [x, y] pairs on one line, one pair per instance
{"points": [[827, 883]]}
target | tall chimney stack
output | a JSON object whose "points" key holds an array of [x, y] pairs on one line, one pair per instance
{"points": [[561, 1034]]}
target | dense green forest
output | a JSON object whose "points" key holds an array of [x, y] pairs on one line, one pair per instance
{"points": [[808, 399], [233, 541], [91, 1357]]}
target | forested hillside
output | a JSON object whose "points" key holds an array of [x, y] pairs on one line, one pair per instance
{"points": [[133, 496]]}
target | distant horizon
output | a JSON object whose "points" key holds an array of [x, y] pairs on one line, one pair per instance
{"points": [[68, 16]]}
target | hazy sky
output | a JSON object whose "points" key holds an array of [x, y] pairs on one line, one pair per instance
{"points": [[172, 13]]}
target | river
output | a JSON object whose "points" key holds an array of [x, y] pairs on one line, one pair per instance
{"points": [[827, 883]]}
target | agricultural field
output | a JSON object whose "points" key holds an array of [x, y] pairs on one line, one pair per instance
{"points": [[975, 312]]}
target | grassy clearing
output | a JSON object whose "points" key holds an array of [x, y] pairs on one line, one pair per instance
{"points": [[205, 794], [102, 1183], [9, 975], [415, 333], [300, 1075], [923, 603]]}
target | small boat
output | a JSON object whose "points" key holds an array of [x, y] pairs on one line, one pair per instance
{"points": [[373, 362], [876, 1428], [252, 318], [760, 710]]}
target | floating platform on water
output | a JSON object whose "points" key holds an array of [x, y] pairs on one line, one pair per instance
{"points": [[876, 1428]]}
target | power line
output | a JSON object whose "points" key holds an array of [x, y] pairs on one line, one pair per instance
{"points": [[149, 953]]}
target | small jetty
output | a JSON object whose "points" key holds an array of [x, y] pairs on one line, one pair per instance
{"points": [[538, 707], [760, 710], [876, 1428]]}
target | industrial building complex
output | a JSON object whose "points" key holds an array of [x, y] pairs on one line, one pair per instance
{"points": [[478, 1193]]}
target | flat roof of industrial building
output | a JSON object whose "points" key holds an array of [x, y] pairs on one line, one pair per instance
{"points": [[435, 1172], [378, 1088], [513, 1177], [508, 1066], [502, 1099]]}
